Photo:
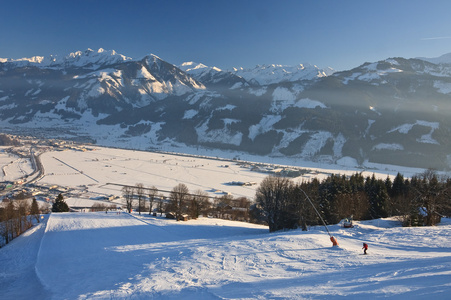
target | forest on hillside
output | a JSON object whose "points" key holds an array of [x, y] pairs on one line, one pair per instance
{"points": [[421, 200]]}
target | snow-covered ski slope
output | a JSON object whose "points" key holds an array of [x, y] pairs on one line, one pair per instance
{"points": [[122, 256]]}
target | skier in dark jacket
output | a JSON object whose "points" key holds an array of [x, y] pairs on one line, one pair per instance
{"points": [[365, 247]]}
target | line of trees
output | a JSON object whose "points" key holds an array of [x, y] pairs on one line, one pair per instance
{"points": [[102, 207], [422, 200], [16, 217], [184, 204]]}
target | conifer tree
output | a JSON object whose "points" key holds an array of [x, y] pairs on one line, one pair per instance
{"points": [[377, 196], [60, 205], [34, 210]]}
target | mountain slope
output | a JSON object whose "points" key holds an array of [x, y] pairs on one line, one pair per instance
{"points": [[394, 111], [214, 77], [101, 83]]}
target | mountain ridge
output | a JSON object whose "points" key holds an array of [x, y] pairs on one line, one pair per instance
{"points": [[393, 111]]}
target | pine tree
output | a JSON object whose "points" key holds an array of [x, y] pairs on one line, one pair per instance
{"points": [[377, 196], [34, 211], [60, 205]]}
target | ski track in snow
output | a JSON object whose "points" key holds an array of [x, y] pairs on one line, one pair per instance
{"points": [[122, 256]]}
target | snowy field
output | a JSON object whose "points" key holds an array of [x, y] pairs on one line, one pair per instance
{"points": [[94, 169], [13, 167], [122, 256]]}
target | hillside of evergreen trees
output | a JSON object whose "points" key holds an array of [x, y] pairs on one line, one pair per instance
{"points": [[421, 200]]}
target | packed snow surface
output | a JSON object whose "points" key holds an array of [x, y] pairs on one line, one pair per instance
{"points": [[123, 256]]}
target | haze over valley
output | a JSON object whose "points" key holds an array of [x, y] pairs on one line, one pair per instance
{"points": [[394, 111]]}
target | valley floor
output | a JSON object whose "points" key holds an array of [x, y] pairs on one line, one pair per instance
{"points": [[122, 256]]}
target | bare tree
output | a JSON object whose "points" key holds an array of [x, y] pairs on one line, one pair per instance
{"points": [[140, 192], [431, 192], [152, 195], [179, 197], [102, 207], [11, 220], [14, 220], [274, 197], [4, 228], [128, 194], [199, 204], [161, 203], [240, 211], [223, 206], [24, 222]]}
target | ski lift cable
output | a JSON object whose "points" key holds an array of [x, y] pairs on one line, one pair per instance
{"points": [[324, 223]]}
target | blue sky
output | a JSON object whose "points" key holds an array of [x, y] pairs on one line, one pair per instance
{"points": [[340, 34]]}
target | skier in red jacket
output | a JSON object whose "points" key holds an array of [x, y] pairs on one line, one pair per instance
{"points": [[365, 247]]}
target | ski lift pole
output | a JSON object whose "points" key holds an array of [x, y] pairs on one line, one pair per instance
{"points": [[332, 238]]}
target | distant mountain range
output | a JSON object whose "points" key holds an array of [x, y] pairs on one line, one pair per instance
{"points": [[396, 111]]}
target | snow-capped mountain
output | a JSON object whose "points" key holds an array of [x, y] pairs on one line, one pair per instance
{"points": [[102, 81], [270, 74], [213, 76], [394, 111], [197, 68], [259, 75], [88, 59]]}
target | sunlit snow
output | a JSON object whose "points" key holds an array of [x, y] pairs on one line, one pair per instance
{"points": [[263, 126], [122, 256]]}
